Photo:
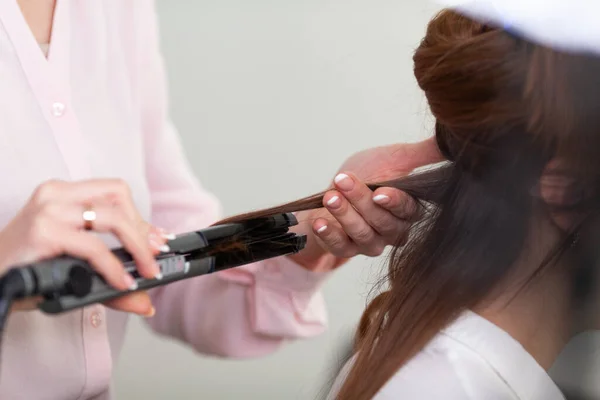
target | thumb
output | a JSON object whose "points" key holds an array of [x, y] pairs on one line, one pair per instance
{"points": [[136, 302]]}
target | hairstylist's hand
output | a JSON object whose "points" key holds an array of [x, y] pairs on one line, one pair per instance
{"points": [[52, 224], [355, 219]]}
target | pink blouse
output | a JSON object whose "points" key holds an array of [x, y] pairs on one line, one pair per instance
{"points": [[97, 107]]}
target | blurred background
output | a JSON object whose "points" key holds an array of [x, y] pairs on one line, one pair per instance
{"points": [[270, 97]]}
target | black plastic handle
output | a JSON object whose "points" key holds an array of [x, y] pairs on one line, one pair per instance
{"points": [[173, 267]]}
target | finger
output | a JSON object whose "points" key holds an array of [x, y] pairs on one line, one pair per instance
{"points": [[357, 229], [361, 199], [137, 303], [112, 190], [86, 246], [158, 238], [400, 204], [153, 230], [133, 236], [333, 238], [137, 244]]}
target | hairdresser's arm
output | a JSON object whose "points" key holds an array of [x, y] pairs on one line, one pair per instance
{"points": [[244, 312]]}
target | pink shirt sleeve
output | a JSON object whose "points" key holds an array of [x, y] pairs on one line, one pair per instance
{"points": [[248, 311]]}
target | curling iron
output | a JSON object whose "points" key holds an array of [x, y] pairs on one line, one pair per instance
{"points": [[65, 283]]}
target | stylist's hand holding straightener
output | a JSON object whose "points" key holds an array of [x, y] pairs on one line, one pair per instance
{"points": [[56, 220]]}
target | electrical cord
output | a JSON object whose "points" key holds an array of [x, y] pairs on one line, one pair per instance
{"points": [[12, 285]]}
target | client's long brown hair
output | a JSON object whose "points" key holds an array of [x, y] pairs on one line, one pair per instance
{"points": [[504, 107]]}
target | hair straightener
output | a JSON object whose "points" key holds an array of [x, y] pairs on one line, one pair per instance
{"points": [[65, 283]]}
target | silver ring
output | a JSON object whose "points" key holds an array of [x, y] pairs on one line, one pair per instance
{"points": [[89, 217]]}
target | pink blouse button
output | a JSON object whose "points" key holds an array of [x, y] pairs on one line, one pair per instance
{"points": [[96, 319], [58, 109]]}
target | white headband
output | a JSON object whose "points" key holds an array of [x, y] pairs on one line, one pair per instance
{"points": [[570, 25]]}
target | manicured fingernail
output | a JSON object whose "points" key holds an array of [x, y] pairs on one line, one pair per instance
{"points": [[322, 229], [333, 200], [158, 245], [167, 235], [158, 276], [130, 282], [381, 199], [344, 182], [150, 313]]}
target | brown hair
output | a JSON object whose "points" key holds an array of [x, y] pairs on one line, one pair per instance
{"points": [[504, 107]]}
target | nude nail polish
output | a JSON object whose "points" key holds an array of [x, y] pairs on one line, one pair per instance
{"points": [[167, 235], [344, 182], [162, 247], [130, 282], [333, 200], [381, 199], [151, 313]]}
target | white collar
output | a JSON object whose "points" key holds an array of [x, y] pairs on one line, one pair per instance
{"points": [[506, 356]]}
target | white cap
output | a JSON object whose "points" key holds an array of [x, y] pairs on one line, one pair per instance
{"points": [[568, 25]]}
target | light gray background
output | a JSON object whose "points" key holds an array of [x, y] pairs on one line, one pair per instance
{"points": [[270, 97]]}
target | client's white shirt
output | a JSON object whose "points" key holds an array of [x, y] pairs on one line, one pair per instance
{"points": [[472, 359]]}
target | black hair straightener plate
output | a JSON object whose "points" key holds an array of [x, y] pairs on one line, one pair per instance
{"points": [[67, 283]]}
